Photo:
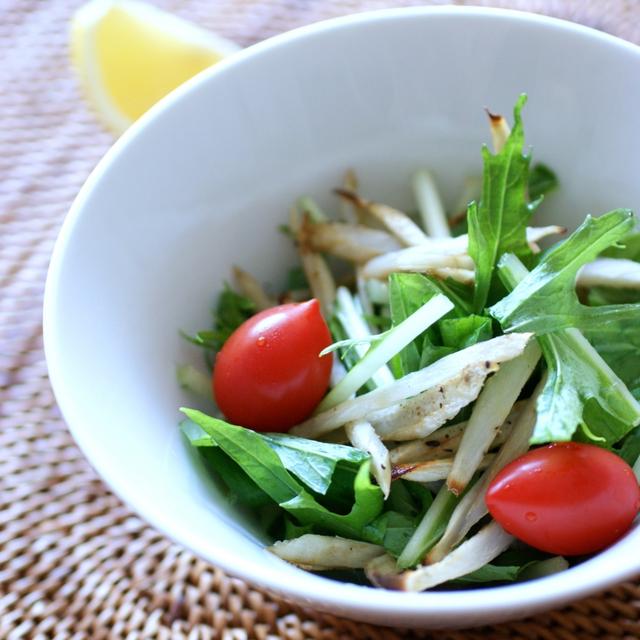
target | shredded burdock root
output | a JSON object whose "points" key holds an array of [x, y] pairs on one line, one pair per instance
{"points": [[610, 272], [432, 470], [397, 222], [319, 553], [425, 412], [444, 442], [477, 551], [349, 212], [491, 409], [447, 258], [252, 289], [315, 267], [490, 353], [500, 130], [363, 436], [472, 506], [416, 259], [430, 207], [353, 242]]}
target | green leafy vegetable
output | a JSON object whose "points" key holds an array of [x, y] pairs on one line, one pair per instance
{"points": [[433, 352], [405, 506], [491, 573], [391, 530], [515, 565], [498, 223], [393, 342], [460, 294], [242, 489], [231, 311], [408, 498], [581, 389], [512, 573], [367, 506], [453, 334], [626, 248], [296, 279], [407, 293], [292, 530], [460, 333], [629, 449], [618, 342], [430, 528], [285, 230], [253, 453], [546, 300], [196, 435], [457, 330], [577, 377], [599, 296], [312, 462], [420, 494], [542, 180]]}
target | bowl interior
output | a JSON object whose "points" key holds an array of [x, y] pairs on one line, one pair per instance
{"points": [[202, 182]]}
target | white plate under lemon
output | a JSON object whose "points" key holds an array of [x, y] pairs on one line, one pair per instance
{"points": [[129, 54]]}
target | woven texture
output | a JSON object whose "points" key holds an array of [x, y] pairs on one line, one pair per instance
{"points": [[74, 561]]}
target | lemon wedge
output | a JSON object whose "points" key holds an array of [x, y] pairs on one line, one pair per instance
{"points": [[129, 55]]}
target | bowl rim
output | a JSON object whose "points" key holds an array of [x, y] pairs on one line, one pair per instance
{"points": [[545, 593]]}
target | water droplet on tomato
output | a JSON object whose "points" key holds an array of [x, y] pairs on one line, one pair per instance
{"points": [[262, 341], [530, 516]]}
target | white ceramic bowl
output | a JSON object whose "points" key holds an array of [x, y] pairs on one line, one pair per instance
{"points": [[202, 181]]}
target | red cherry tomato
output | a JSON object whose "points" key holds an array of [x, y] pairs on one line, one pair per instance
{"points": [[566, 498], [268, 375]]}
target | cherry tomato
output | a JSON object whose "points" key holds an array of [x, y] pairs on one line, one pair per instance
{"points": [[566, 498], [268, 375]]}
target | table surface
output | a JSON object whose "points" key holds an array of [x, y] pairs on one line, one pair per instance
{"points": [[74, 561]]}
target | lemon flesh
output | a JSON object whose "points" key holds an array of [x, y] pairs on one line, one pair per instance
{"points": [[129, 55]]}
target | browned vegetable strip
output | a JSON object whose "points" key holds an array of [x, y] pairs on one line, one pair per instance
{"points": [[349, 211], [431, 470], [491, 409], [353, 242], [320, 280], [252, 289], [464, 276], [482, 548], [314, 266], [318, 553], [490, 352], [414, 259], [362, 436], [472, 506], [445, 258], [444, 442], [398, 222], [500, 130], [427, 411]]}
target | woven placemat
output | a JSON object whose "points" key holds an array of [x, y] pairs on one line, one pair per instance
{"points": [[74, 561]]}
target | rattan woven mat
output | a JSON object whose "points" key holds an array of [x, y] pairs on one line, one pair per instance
{"points": [[74, 561]]}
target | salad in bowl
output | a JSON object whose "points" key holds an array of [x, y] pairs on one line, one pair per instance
{"points": [[435, 400]]}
